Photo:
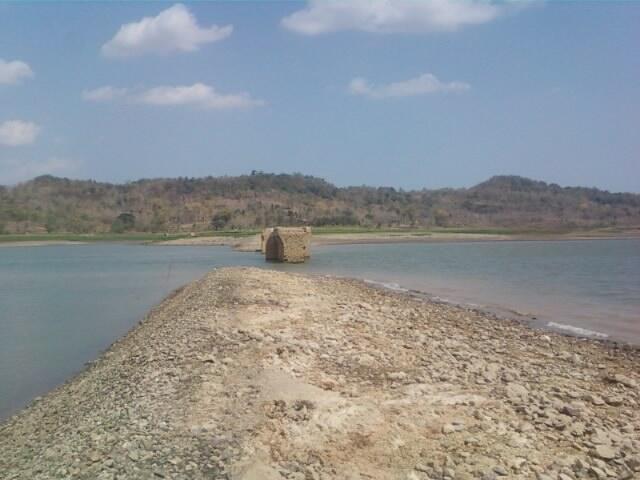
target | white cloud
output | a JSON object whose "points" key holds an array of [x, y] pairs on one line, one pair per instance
{"points": [[392, 16], [16, 132], [425, 84], [104, 94], [197, 95], [173, 30], [12, 73], [14, 171]]}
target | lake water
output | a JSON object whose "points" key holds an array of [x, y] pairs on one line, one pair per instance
{"points": [[60, 306]]}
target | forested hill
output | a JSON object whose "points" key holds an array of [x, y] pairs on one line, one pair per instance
{"points": [[50, 204]]}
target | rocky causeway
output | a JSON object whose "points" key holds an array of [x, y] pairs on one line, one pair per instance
{"points": [[255, 374]]}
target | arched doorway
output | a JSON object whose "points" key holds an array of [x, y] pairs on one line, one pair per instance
{"points": [[274, 249]]}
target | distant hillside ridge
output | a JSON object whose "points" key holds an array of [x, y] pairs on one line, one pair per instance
{"points": [[51, 204]]}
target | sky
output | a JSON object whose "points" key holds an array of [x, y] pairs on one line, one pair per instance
{"points": [[402, 93]]}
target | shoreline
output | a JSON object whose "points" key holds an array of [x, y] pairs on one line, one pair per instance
{"points": [[40, 243], [500, 310], [462, 238], [504, 313], [252, 243], [371, 382]]}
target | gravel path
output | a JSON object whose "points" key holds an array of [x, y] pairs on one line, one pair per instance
{"points": [[255, 374]]}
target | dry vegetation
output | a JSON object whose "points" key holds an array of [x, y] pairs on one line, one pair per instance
{"points": [[48, 205]]}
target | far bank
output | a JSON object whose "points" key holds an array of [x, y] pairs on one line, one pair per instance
{"points": [[249, 240]]}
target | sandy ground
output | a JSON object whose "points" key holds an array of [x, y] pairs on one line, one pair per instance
{"points": [[254, 374], [241, 244], [253, 243], [39, 243], [363, 238]]}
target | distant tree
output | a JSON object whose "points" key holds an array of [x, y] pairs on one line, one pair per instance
{"points": [[265, 199], [220, 220], [345, 217], [51, 224], [124, 223], [441, 217], [158, 222]]}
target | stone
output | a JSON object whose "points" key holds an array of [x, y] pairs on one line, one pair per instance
{"points": [[605, 452], [165, 404], [471, 441], [633, 462], [596, 400], [500, 470], [577, 429], [133, 455], [614, 400], [455, 426], [600, 437], [516, 392], [625, 475], [573, 409], [94, 456], [623, 380], [288, 244], [559, 422], [464, 476], [598, 473]]}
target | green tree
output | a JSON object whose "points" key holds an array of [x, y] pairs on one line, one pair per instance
{"points": [[220, 219], [441, 217], [124, 223], [51, 223]]}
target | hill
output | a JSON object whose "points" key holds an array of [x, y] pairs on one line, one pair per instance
{"points": [[51, 204]]}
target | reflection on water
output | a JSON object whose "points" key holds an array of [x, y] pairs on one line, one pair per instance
{"points": [[61, 305]]}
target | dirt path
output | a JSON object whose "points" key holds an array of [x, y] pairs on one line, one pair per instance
{"points": [[254, 374]]}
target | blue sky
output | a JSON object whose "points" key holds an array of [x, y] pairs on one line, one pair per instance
{"points": [[395, 92]]}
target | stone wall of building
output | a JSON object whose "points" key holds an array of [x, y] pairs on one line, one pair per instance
{"points": [[264, 236], [288, 244]]}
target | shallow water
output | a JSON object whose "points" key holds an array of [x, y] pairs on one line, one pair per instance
{"points": [[60, 306], [587, 287]]}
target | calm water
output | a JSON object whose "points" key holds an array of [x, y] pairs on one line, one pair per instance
{"points": [[61, 305], [587, 287]]}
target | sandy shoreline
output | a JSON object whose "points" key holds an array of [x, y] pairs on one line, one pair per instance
{"points": [[256, 374], [345, 239], [39, 243], [503, 313], [252, 243]]}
